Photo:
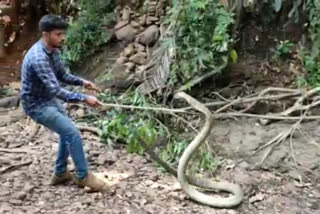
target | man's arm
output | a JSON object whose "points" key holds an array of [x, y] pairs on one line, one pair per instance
{"points": [[65, 77], [48, 78]]}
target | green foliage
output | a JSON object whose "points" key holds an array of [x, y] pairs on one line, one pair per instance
{"points": [[132, 127], [311, 59], [88, 31], [283, 49], [64, 7], [121, 126], [131, 130], [202, 38]]}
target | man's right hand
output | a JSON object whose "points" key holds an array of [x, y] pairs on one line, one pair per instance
{"points": [[92, 101]]}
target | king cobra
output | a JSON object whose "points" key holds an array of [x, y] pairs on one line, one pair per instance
{"points": [[186, 182]]}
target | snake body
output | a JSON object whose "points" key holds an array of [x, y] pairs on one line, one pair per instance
{"points": [[186, 182]]}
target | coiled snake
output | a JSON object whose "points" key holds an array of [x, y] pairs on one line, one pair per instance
{"points": [[186, 182]]}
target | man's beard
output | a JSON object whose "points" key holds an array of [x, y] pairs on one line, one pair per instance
{"points": [[57, 46]]}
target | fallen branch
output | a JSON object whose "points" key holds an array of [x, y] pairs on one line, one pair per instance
{"points": [[272, 117], [298, 105], [260, 97], [280, 138], [106, 106], [90, 129], [15, 167], [15, 151], [201, 79]]}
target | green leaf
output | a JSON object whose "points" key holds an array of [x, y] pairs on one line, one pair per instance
{"points": [[234, 56]]}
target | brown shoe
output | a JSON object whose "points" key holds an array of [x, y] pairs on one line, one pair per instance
{"points": [[55, 180], [93, 182]]}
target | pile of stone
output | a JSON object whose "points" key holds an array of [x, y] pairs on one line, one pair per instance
{"points": [[138, 32]]}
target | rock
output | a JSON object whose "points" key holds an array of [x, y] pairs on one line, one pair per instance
{"points": [[130, 66], [140, 47], [87, 147], [47, 195], [140, 72], [141, 29], [102, 159], [80, 112], [15, 202], [143, 20], [295, 174], [28, 188], [149, 36], [5, 207], [244, 165], [162, 12], [138, 58], [121, 24], [135, 24], [126, 14], [122, 60], [152, 19], [20, 195], [149, 22], [126, 33], [256, 198], [129, 51], [144, 54]]}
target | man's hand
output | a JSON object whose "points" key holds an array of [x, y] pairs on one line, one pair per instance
{"points": [[92, 101], [90, 85]]}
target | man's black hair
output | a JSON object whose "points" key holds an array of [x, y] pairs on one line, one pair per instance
{"points": [[49, 23]]}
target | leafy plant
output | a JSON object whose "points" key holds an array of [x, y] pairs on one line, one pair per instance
{"points": [[283, 49], [202, 38], [130, 128], [311, 59], [88, 31]]}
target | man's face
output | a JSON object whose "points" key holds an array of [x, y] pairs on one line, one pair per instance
{"points": [[56, 38]]}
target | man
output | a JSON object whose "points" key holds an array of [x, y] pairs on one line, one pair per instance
{"points": [[41, 72]]}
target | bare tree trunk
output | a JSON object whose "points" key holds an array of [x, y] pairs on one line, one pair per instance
{"points": [[2, 40]]}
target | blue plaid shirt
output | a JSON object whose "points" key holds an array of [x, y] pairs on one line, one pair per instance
{"points": [[41, 73]]}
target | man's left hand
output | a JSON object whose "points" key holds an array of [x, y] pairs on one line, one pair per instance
{"points": [[90, 85]]}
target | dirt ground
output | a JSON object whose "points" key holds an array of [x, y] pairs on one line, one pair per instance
{"points": [[137, 186], [275, 186]]}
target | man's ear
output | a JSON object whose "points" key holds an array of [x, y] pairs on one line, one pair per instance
{"points": [[45, 34]]}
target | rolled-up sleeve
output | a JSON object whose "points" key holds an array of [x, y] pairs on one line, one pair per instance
{"points": [[48, 78]]}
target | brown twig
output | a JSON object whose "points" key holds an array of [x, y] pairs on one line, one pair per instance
{"points": [[15, 151], [89, 129], [280, 138], [14, 167], [108, 105]]}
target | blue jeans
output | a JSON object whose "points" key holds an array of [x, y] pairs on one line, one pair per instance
{"points": [[56, 119]]}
